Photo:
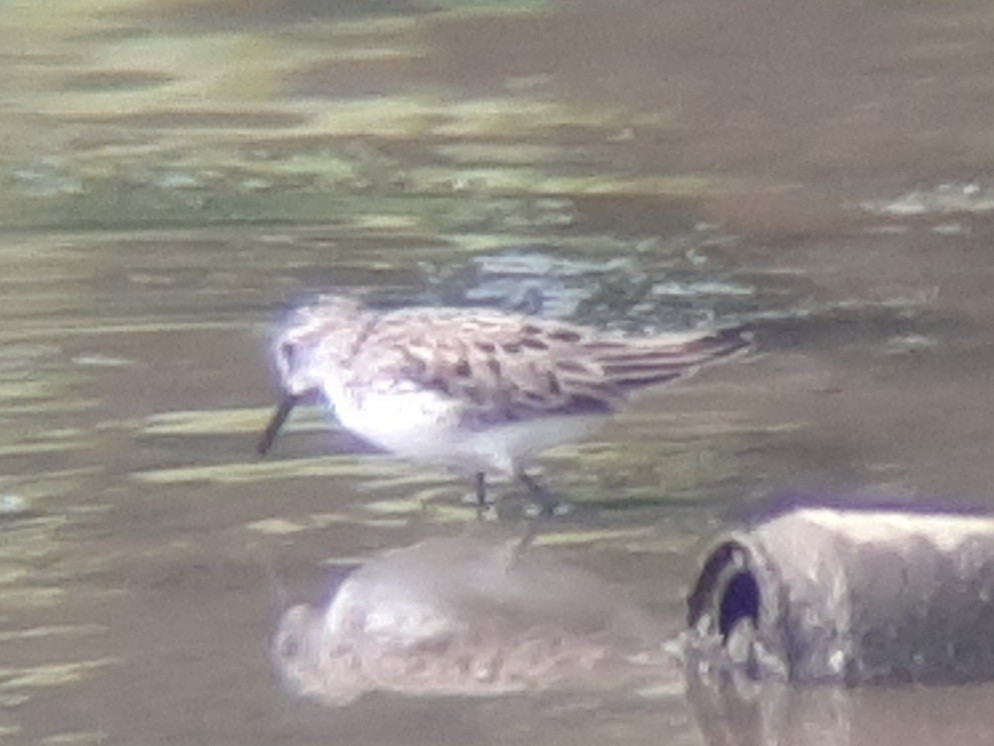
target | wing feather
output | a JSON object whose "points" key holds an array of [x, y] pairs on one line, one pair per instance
{"points": [[507, 367]]}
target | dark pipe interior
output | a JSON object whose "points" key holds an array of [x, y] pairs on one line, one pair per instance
{"points": [[727, 590], [740, 600]]}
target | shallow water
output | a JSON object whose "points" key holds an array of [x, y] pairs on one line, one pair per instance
{"points": [[175, 173]]}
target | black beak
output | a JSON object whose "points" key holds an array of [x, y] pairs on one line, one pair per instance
{"points": [[283, 410]]}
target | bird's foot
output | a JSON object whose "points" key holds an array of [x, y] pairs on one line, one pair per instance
{"points": [[544, 502], [538, 501], [480, 496]]}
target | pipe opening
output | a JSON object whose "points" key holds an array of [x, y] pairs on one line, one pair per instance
{"points": [[739, 600], [727, 591]]}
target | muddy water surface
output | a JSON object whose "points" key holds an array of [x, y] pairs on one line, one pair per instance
{"points": [[176, 172]]}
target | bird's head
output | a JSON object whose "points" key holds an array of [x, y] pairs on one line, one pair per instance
{"points": [[314, 343]]}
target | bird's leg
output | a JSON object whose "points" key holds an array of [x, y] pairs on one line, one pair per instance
{"points": [[481, 490], [526, 541], [546, 501]]}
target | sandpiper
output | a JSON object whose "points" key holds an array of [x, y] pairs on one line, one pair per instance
{"points": [[475, 390]]}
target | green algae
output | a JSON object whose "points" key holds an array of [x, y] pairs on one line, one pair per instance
{"points": [[329, 466], [51, 675], [228, 421], [591, 536], [204, 129]]}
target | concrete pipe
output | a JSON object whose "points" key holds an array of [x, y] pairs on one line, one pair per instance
{"points": [[852, 596]]}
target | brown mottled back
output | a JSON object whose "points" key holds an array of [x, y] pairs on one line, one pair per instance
{"points": [[508, 367]]}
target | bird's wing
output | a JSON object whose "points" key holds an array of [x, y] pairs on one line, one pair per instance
{"points": [[507, 367], [635, 362]]}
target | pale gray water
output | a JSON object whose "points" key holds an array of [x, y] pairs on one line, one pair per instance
{"points": [[175, 173]]}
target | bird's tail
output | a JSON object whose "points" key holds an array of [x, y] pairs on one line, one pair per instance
{"points": [[655, 360]]}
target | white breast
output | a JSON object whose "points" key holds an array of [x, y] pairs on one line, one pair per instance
{"points": [[425, 425]]}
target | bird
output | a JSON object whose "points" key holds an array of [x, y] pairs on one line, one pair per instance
{"points": [[480, 391]]}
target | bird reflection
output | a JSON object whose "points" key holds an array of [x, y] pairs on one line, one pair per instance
{"points": [[468, 615]]}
